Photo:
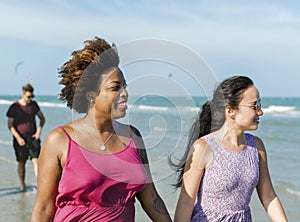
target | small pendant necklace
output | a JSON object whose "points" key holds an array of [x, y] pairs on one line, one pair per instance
{"points": [[102, 147]]}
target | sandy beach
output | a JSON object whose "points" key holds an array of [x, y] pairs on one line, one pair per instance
{"points": [[15, 205]]}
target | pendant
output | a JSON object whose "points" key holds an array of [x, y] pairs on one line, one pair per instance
{"points": [[103, 148]]}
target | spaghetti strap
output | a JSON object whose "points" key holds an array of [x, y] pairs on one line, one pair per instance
{"points": [[65, 132]]}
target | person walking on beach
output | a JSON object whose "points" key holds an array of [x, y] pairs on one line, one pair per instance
{"points": [[26, 136], [93, 168], [222, 164]]}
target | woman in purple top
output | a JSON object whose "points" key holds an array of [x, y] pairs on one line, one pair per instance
{"points": [[91, 169], [222, 164]]}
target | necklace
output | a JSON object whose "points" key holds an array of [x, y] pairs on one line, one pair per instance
{"points": [[102, 147]]}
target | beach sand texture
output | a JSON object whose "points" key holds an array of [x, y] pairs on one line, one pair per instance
{"points": [[15, 205]]}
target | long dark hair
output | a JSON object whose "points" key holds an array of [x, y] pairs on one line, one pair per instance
{"points": [[211, 117]]}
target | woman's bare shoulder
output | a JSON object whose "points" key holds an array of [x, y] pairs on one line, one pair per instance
{"points": [[202, 153], [200, 145], [56, 141], [259, 144]]}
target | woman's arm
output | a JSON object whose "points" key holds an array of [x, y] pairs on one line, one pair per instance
{"points": [[151, 202], [196, 163], [49, 172], [265, 190]]}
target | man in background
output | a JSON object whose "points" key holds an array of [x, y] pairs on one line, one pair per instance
{"points": [[26, 135]]}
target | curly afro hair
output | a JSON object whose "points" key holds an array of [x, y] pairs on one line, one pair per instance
{"points": [[84, 72]]}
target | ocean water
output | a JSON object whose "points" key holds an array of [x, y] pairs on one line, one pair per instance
{"points": [[164, 123]]}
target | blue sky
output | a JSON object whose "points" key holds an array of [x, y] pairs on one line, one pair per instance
{"points": [[260, 39]]}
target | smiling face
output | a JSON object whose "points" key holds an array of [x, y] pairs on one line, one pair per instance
{"points": [[112, 98], [249, 110]]}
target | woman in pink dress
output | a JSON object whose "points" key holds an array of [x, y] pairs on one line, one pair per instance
{"points": [[93, 168], [222, 164]]}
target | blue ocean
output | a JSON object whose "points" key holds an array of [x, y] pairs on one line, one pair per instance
{"points": [[164, 123]]}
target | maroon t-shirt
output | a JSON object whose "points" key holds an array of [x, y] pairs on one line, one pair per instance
{"points": [[24, 118]]}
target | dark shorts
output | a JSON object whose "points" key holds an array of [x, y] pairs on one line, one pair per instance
{"points": [[31, 149]]}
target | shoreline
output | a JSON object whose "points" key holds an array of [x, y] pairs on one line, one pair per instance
{"points": [[15, 205]]}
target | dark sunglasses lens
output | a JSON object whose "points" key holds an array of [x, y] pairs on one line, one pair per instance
{"points": [[258, 105]]}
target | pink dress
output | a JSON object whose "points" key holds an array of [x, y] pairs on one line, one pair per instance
{"points": [[227, 185], [99, 187]]}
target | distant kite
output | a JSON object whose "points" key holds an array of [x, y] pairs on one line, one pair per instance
{"points": [[170, 75], [17, 67]]}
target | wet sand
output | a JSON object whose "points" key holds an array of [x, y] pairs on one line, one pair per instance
{"points": [[15, 205]]}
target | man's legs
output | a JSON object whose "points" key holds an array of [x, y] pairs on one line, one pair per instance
{"points": [[34, 152], [35, 165], [21, 153], [21, 173]]}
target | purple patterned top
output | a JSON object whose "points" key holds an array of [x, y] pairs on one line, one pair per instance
{"points": [[228, 183]]}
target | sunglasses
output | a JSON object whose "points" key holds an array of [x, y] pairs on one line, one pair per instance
{"points": [[30, 97], [256, 107]]}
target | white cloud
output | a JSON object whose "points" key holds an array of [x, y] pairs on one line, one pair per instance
{"points": [[60, 22], [229, 35]]}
